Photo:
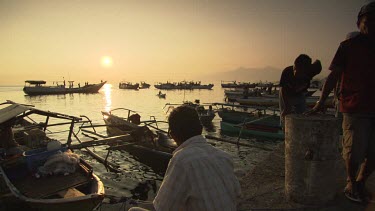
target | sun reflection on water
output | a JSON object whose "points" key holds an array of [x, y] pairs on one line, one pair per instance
{"points": [[107, 90]]}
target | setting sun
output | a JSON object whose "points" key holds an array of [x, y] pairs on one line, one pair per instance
{"points": [[106, 61]]}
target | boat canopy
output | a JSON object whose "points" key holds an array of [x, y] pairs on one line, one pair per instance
{"points": [[35, 82], [20, 110], [12, 111]]}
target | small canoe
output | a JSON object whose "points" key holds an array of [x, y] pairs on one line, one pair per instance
{"points": [[161, 95]]}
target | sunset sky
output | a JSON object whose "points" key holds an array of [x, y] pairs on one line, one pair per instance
{"points": [[156, 40]]}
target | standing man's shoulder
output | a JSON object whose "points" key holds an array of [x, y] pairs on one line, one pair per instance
{"points": [[288, 70], [357, 40], [286, 76]]}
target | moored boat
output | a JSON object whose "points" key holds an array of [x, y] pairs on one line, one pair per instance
{"points": [[183, 85], [21, 180], [144, 85], [274, 101], [151, 145], [128, 85], [235, 84], [233, 113], [266, 126], [206, 115], [233, 95], [38, 87], [161, 95]]}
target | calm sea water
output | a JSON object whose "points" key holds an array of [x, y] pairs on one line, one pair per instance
{"points": [[135, 179]]}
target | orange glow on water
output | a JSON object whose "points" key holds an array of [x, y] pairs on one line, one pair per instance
{"points": [[107, 89]]}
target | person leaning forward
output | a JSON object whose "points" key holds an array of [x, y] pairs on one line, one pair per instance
{"points": [[354, 62], [294, 82], [199, 176]]}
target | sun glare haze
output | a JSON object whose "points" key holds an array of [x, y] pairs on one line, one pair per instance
{"points": [[167, 40], [106, 61]]}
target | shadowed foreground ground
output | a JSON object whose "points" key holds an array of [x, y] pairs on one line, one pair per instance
{"points": [[263, 189]]}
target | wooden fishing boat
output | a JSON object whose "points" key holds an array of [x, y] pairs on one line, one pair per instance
{"points": [[266, 126], [19, 182], [144, 85], [233, 95], [274, 101], [234, 113], [150, 145], [234, 84], [198, 85], [38, 88], [183, 85], [168, 85], [206, 115], [128, 85]]}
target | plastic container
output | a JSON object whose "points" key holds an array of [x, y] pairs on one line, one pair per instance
{"points": [[37, 157]]}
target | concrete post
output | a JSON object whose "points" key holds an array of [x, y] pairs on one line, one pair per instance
{"points": [[313, 165]]}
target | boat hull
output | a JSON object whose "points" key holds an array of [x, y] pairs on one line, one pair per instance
{"points": [[13, 198], [149, 150], [54, 90], [235, 116], [274, 101], [235, 129]]}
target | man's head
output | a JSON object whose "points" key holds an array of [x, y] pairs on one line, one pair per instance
{"points": [[366, 19], [184, 123], [302, 63]]}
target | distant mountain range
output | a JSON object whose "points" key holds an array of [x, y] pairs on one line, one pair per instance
{"points": [[245, 74], [270, 74]]}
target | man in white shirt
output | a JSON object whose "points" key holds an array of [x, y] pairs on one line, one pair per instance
{"points": [[199, 176]]}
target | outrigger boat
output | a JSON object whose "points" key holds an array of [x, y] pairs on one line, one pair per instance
{"points": [[267, 126], [274, 101], [234, 113], [240, 120], [37, 87], [150, 144], [205, 115], [19, 182]]}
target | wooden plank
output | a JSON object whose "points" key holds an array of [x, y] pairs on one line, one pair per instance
{"points": [[104, 141], [93, 133], [70, 193], [50, 185]]}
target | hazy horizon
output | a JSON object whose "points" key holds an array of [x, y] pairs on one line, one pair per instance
{"points": [[166, 40]]}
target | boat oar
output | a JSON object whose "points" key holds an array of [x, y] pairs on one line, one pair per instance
{"points": [[244, 122]]}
